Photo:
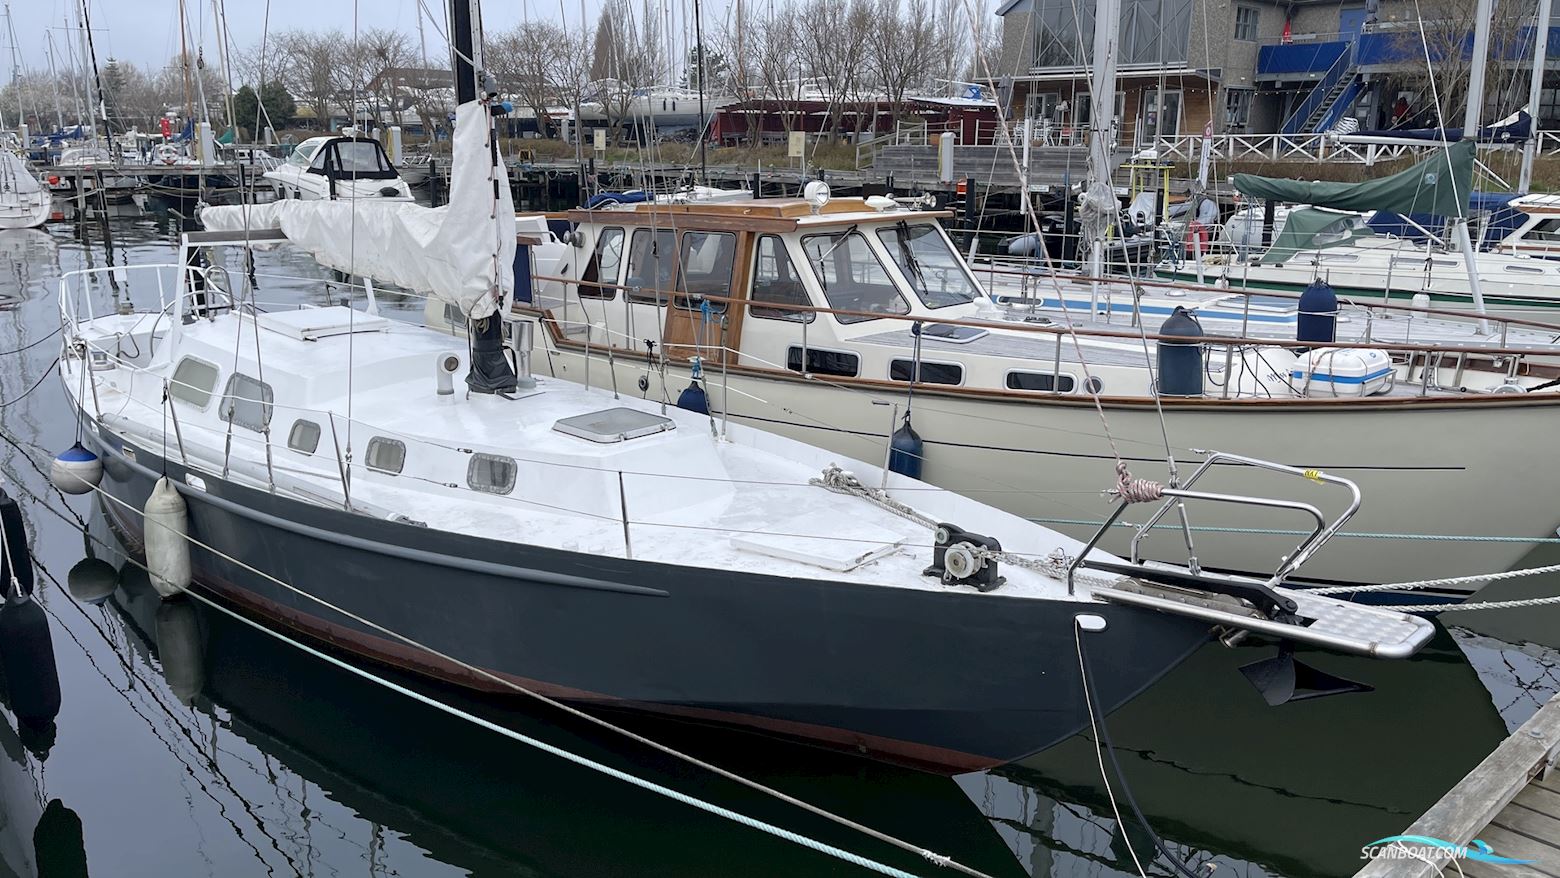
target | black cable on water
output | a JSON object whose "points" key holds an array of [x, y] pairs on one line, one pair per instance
{"points": [[1126, 789]]}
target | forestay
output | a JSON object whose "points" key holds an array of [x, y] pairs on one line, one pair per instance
{"points": [[461, 253]]}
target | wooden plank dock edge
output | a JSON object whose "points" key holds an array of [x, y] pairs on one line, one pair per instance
{"points": [[1469, 808]]}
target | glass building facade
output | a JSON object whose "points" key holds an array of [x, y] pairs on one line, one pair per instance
{"points": [[1152, 32]]}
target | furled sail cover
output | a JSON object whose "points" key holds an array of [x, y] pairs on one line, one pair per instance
{"points": [[14, 175], [462, 253], [1440, 185], [1513, 129]]}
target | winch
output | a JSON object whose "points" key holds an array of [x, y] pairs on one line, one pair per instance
{"points": [[962, 558]]}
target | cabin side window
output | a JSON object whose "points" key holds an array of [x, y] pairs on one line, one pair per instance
{"points": [[603, 266], [193, 382], [823, 362], [385, 455], [651, 255], [304, 436], [491, 473], [928, 373], [851, 276], [1546, 230], [775, 280], [247, 402], [1043, 382], [705, 267]]}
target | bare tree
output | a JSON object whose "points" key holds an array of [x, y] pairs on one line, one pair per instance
{"points": [[620, 64], [308, 66], [524, 60], [569, 72], [902, 43]]}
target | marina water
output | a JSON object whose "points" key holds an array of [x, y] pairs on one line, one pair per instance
{"points": [[191, 744]]}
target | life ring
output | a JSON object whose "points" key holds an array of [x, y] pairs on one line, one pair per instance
{"points": [[167, 154]]}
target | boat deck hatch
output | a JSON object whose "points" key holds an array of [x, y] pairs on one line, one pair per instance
{"points": [[955, 333], [312, 324], [614, 425]]}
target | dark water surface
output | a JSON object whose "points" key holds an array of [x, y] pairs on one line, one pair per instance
{"points": [[192, 744]]}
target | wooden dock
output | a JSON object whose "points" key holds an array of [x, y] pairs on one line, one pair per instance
{"points": [[1511, 801]]}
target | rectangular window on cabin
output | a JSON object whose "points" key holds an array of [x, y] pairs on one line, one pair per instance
{"points": [[775, 281], [708, 259], [1043, 382], [603, 265], [821, 362], [930, 373], [304, 436], [852, 277], [247, 402], [491, 473], [651, 255], [385, 455], [193, 382], [1247, 20]]}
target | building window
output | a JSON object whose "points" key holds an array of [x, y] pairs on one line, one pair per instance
{"points": [[1237, 108], [193, 381], [821, 362], [775, 280], [247, 402], [491, 473], [304, 436], [929, 373], [385, 455], [603, 266], [1247, 20]]}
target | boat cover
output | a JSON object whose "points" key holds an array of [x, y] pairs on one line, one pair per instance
{"points": [[1438, 185], [462, 253], [1309, 229], [15, 175]]}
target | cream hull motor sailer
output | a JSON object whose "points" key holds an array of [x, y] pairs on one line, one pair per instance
{"points": [[24, 202], [345, 167], [814, 337], [570, 540]]}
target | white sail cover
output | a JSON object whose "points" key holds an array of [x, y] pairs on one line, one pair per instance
{"points": [[462, 253], [15, 176]]}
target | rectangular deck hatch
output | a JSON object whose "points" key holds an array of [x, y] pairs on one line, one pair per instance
{"points": [[614, 425], [312, 324]]}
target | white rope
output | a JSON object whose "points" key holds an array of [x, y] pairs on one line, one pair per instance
{"points": [[1438, 583]]}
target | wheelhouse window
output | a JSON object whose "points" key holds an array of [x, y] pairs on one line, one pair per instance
{"points": [[851, 276], [651, 255], [603, 265], [491, 473], [705, 268], [385, 455], [247, 402], [823, 362], [929, 264], [775, 280], [929, 373], [303, 152], [304, 436], [193, 382], [359, 158], [1546, 230]]}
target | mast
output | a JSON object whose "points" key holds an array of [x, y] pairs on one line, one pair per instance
{"points": [[1099, 197], [184, 63], [490, 370], [1535, 90], [1481, 50], [698, 39], [54, 81], [89, 74], [219, 18], [16, 69]]}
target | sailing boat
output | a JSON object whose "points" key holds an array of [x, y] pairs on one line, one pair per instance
{"points": [[24, 202], [613, 551]]}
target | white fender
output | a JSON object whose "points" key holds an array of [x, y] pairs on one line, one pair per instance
{"points": [[167, 542]]}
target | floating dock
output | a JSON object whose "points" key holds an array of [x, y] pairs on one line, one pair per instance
{"points": [[1510, 801]]}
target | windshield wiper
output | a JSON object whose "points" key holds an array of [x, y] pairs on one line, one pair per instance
{"points": [[845, 236], [902, 232]]}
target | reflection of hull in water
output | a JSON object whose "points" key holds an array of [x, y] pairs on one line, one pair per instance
{"points": [[1338, 773], [476, 800], [19, 805]]}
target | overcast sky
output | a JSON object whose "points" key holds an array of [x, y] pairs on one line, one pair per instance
{"points": [[147, 31]]}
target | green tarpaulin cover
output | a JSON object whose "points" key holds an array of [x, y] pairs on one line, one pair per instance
{"points": [[1438, 185], [228, 136], [1310, 228]]}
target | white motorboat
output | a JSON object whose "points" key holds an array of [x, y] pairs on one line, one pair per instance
{"points": [[338, 167], [24, 202]]}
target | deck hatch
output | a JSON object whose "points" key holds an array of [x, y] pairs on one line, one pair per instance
{"points": [[614, 425]]}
